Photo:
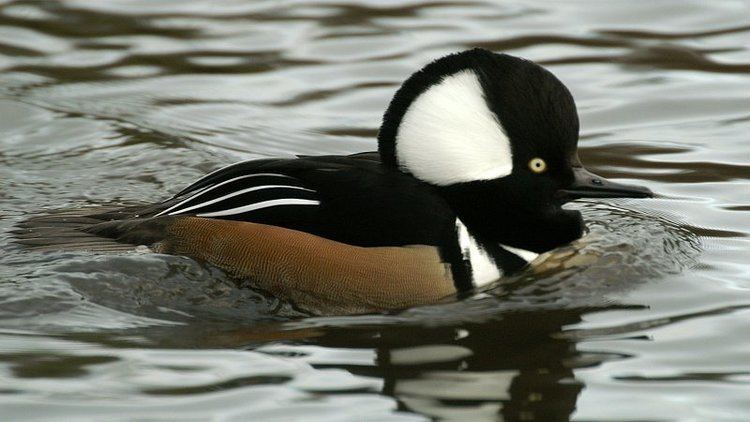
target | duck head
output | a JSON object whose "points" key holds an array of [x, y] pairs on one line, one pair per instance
{"points": [[497, 136]]}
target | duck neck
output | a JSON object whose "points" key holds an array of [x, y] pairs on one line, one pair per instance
{"points": [[533, 232], [510, 218]]}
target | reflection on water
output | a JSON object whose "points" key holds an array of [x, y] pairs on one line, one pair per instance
{"points": [[128, 101]]}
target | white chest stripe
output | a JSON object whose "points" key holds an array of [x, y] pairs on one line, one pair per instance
{"points": [[210, 188], [258, 206], [483, 268], [527, 256], [233, 194]]}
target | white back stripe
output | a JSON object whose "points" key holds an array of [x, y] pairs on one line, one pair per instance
{"points": [[239, 192], [210, 188], [449, 135], [258, 206]]}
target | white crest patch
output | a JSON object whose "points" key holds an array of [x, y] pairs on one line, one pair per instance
{"points": [[449, 135]]}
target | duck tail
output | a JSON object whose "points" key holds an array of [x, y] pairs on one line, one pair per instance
{"points": [[90, 229]]}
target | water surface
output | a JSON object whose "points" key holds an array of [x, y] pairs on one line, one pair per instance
{"points": [[119, 102]]}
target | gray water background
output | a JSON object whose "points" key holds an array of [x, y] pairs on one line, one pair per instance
{"points": [[120, 102]]}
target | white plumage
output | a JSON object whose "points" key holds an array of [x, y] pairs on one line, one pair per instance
{"points": [[449, 135], [260, 205], [233, 194], [483, 268]]}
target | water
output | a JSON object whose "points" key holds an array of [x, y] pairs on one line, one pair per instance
{"points": [[120, 102]]}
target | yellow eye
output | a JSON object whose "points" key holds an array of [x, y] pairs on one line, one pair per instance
{"points": [[537, 165]]}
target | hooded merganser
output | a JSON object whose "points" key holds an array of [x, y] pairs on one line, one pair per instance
{"points": [[477, 154]]}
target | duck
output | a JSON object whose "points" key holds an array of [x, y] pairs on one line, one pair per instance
{"points": [[477, 154]]}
